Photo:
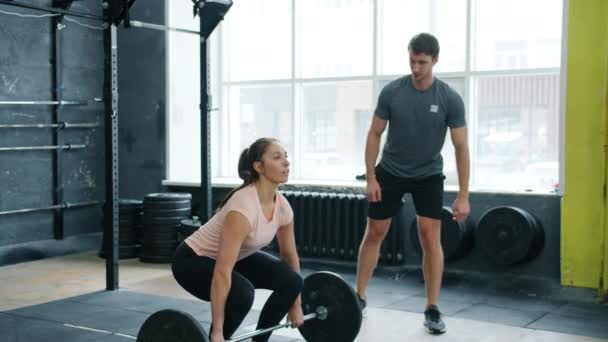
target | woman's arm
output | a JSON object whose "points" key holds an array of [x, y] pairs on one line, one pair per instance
{"points": [[236, 228], [289, 253], [287, 246]]}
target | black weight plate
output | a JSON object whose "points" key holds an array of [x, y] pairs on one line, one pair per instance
{"points": [[164, 247], [160, 227], [127, 239], [344, 316], [129, 212], [170, 326], [173, 212], [124, 252], [156, 259], [130, 203], [159, 236], [164, 221], [131, 222], [539, 237], [158, 253], [187, 227], [507, 235], [158, 230], [167, 205], [167, 197], [160, 243], [190, 223]]}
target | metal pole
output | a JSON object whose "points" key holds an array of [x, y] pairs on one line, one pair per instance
{"points": [[205, 208], [57, 95], [65, 205], [111, 149], [41, 148], [60, 125], [51, 10]]}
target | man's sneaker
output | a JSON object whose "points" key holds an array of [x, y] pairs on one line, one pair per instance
{"points": [[432, 320], [362, 304]]}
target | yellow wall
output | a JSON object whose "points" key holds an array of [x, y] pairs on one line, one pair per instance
{"points": [[604, 285], [583, 228]]}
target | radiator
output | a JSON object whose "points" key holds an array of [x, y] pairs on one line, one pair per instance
{"points": [[331, 225]]}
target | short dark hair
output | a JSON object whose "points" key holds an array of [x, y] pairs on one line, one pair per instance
{"points": [[424, 43]]}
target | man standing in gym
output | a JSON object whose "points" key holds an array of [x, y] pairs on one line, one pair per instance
{"points": [[419, 108]]}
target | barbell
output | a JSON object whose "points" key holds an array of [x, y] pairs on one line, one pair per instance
{"points": [[330, 306]]}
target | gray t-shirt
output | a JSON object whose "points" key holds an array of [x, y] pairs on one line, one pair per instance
{"points": [[417, 126]]}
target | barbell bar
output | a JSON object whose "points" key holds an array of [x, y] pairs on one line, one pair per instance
{"points": [[320, 313], [331, 313], [60, 125], [66, 205], [49, 103], [45, 147], [53, 10], [137, 23]]}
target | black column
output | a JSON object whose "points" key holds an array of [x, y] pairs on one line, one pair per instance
{"points": [[110, 90], [205, 210], [57, 95]]}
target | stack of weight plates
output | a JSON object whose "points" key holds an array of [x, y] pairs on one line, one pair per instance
{"points": [[510, 235], [163, 213], [187, 227], [129, 213]]}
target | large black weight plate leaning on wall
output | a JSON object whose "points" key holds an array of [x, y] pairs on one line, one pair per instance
{"points": [[171, 326], [344, 316], [509, 235], [456, 237]]}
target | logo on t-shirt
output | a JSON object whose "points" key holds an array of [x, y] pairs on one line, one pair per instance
{"points": [[434, 108]]}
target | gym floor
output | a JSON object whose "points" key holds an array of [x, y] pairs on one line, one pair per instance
{"points": [[63, 299]]}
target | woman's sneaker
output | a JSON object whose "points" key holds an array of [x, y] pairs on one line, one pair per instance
{"points": [[432, 320]]}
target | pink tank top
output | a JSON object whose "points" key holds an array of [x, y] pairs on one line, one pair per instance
{"points": [[206, 240]]}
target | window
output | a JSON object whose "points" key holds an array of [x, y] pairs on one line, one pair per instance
{"points": [[334, 38], [309, 72], [516, 140], [256, 111], [256, 40], [399, 20], [336, 115]]}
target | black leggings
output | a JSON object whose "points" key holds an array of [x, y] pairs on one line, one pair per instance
{"points": [[257, 271]]}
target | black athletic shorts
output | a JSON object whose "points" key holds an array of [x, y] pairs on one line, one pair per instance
{"points": [[427, 194]]}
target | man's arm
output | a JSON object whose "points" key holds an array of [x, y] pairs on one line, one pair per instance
{"points": [[372, 147], [461, 148]]}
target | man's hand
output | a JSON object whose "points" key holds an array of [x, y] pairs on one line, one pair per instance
{"points": [[461, 209], [374, 193]]}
